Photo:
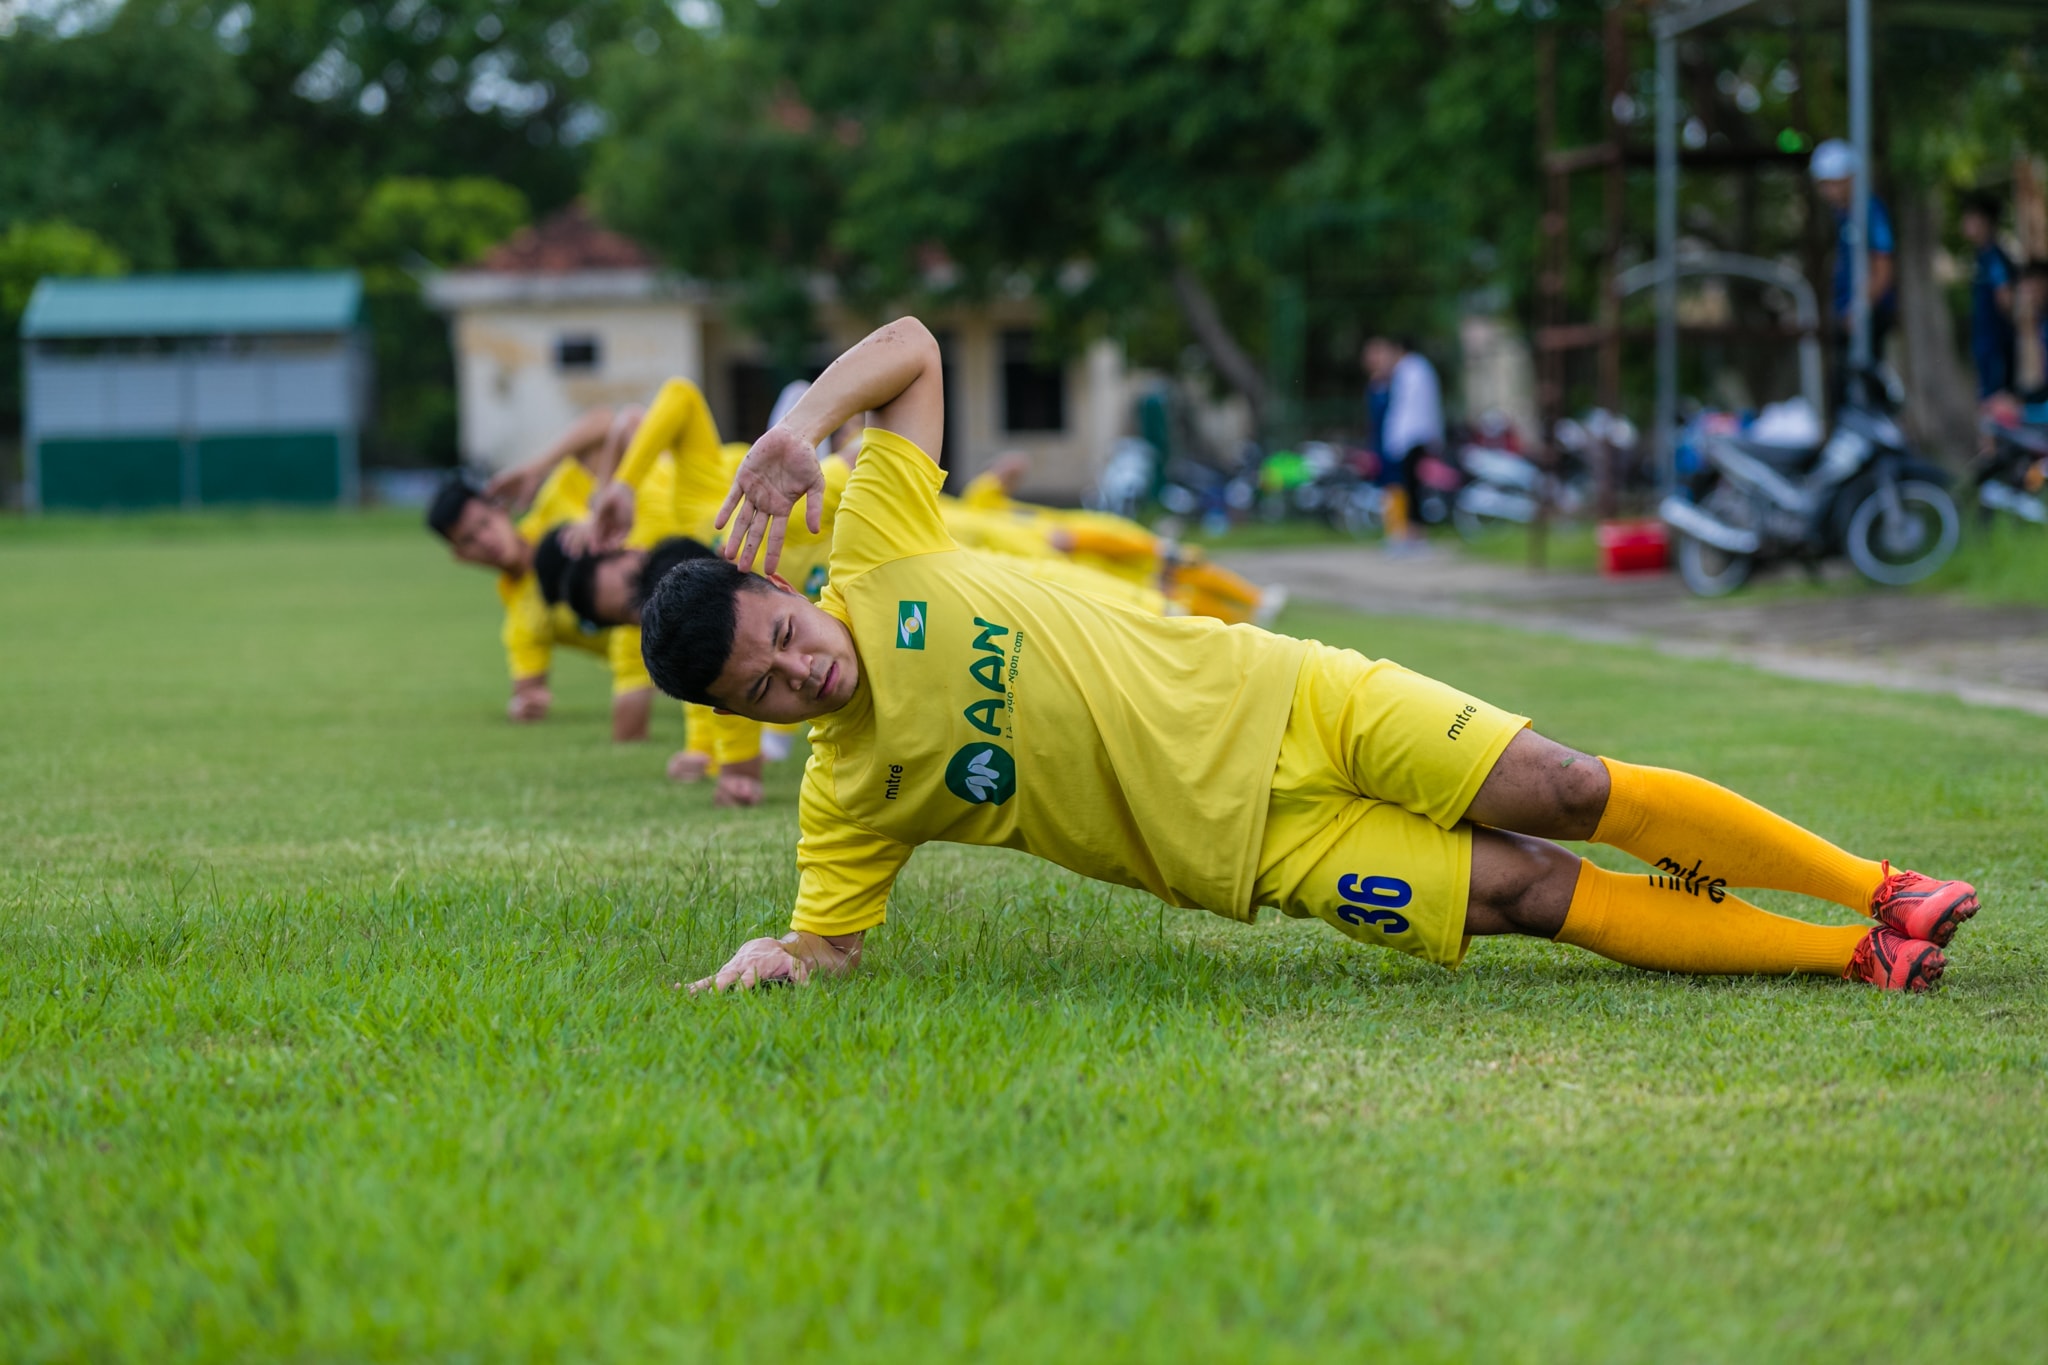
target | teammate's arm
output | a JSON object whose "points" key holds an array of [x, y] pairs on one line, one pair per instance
{"points": [[680, 421], [584, 440], [895, 373], [530, 699], [631, 712]]}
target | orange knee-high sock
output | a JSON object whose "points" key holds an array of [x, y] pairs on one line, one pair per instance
{"points": [[1699, 834], [1645, 922]]}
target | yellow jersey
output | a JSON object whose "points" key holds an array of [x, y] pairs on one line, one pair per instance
{"points": [[996, 709], [1112, 544], [679, 424], [533, 630]]}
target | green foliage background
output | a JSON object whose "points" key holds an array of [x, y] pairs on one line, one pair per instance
{"points": [[1118, 157]]}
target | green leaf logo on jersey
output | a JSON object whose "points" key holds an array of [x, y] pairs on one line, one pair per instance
{"points": [[982, 774], [910, 625]]}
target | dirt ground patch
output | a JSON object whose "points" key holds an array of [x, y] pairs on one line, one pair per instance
{"points": [[1852, 633]]}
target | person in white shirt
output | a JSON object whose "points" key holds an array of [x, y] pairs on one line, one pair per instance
{"points": [[1412, 425]]}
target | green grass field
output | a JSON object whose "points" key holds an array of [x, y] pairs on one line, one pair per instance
{"points": [[338, 1023]]}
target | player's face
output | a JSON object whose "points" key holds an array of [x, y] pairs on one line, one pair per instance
{"points": [[484, 535], [790, 661], [611, 589]]}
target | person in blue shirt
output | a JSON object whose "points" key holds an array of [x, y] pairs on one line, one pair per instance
{"points": [[1992, 339], [1834, 170]]}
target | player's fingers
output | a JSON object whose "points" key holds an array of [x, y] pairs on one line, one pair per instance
{"points": [[746, 536], [757, 532], [814, 504], [732, 500], [778, 527]]}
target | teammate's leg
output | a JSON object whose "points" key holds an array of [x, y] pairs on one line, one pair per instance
{"points": [[1701, 837], [1522, 885]]}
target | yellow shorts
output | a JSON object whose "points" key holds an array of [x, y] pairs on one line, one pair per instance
{"points": [[1365, 827]]}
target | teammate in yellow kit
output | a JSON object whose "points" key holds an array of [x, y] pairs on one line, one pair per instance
{"points": [[1115, 545], [665, 520], [481, 532], [1216, 766]]}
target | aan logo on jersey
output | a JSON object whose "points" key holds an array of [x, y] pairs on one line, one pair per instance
{"points": [[983, 773]]}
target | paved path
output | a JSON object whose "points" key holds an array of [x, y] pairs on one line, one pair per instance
{"points": [[1921, 642]]}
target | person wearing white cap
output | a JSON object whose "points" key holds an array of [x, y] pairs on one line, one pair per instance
{"points": [[1834, 170]]}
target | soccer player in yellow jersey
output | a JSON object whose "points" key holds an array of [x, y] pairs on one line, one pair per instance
{"points": [[1115, 545], [1215, 766], [668, 483], [480, 532]]}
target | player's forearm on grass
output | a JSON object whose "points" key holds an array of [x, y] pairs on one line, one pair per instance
{"points": [[631, 712], [894, 373]]}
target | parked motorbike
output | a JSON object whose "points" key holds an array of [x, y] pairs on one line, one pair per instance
{"points": [[1327, 482], [1864, 493], [1213, 497], [2012, 470], [1504, 486]]}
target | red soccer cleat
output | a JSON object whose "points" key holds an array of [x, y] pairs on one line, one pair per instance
{"points": [[1921, 907], [1890, 961]]}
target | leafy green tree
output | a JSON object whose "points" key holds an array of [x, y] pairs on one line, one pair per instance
{"points": [[28, 252], [1125, 158], [408, 224]]}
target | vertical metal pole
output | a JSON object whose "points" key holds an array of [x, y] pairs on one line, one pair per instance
{"points": [[31, 436], [1859, 213], [1667, 259]]}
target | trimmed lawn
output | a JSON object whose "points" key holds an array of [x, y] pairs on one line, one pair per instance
{"points": [[338, 1023]]}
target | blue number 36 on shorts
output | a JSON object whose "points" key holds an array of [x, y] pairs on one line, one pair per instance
{"points": [[1374, 901]]}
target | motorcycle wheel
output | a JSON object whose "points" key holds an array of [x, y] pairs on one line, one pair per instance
{"points": [[1920, 542], [1470, 525], [1709, 571]]}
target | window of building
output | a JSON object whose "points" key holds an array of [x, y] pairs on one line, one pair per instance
{"points": [[1034, 389], [579, 352]]}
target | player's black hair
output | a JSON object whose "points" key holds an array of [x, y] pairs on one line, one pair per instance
{"points": [[687, 626], [454, 494], [551, 565], [1983, 203], [579, 586], [665, 555]]}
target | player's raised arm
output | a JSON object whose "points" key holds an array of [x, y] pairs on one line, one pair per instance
{"points": [[893, 373]]}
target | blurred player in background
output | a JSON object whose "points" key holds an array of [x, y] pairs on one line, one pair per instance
{"points": [[557, 484]]}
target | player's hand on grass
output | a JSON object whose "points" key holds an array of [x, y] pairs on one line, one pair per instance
{"points": [[791, 959], [530, 702], [739, 784], [687, 765], [758, 961], [611, 517], [780, 471], [736, 789]]}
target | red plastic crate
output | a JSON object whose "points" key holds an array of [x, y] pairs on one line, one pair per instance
{"points": [[1633, 547]]}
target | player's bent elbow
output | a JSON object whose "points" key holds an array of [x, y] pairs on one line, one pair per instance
{"points": [[910, 330]]}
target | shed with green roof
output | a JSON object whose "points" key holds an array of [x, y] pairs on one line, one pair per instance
{"points": [[194, 389]]}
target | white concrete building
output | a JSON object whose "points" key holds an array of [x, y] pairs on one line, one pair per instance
{"points": [[569, 315]]}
